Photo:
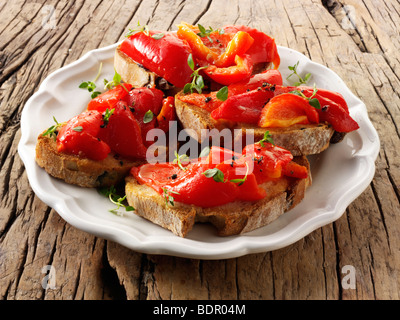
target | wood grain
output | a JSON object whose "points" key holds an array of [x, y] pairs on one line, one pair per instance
{"points": [[359, 40]]}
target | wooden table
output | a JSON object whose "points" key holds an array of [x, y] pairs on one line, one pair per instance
{"points": [[358, 40]]}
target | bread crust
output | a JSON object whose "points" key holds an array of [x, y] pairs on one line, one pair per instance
{"points": [[298, 139], [81, 171], [230, 219]]}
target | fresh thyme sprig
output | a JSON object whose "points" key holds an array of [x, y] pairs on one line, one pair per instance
{"points": [[145, 30], [314, 102], [197, 81], [106, 117], [117, 80], [267, 138], [179, 158], [91, 85], [53, 130], [206, 32], [169, 199], [111, 193], [301, 80], [242, 180]]}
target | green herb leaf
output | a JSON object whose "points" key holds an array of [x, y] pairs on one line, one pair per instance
{"points": [[215, 173], [206, 32], [148, 116], [242, 180], [139, 28], [222, 93], [179, 158], [111, 193], [300, 79], [205, 152], [95, 94], [106, 116], [197, 81], [315, 103], [91, 85], [267, 138], [169, 199], [187, 88], [157, 36], [190, 62], [114, 82], [78, 129], [53, 130]]}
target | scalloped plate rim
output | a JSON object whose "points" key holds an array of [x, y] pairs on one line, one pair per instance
{"points": [[170, 244]]}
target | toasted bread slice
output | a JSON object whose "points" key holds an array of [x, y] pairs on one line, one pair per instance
{"points": [[137, 75], [231, 219], [81, 171], [298, 139]]}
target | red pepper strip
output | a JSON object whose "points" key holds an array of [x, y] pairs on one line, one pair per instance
{"points": [[210, 102], [200, 51], [238, 46], [141, 101], [259, 80], [108, 99], [322, 94], [263, 49], [123, 133], [330, 111], [269, 160], [335, 115], [294, 170], [286, 110], [166, 56], [79, 136], [335, 112], [331, 95], [242, 69], [166, 114], [207, 101], [191, 186], [245, 107]]}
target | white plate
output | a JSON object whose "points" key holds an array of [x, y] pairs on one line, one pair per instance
{"points": [[340, 174]]}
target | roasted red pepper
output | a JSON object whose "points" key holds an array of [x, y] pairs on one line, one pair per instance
{"points": [[242, 69], [263, 49], [109, 98], [221, 177], [167, 114], [259, 80], [80, 136], [249, 103], [209, 101], [122, 132], [225, 53], [166, 55], [122, 128], [245, 107], [286, 110], [145, 104]]}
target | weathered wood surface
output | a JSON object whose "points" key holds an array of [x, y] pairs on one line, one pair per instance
{"points": [[359, 40]]}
